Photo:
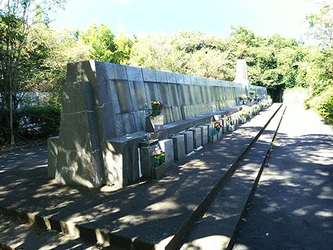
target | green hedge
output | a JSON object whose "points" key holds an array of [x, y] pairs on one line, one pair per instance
{"points": [[39, 122]]}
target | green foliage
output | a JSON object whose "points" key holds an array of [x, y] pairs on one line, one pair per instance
{"points": [[124, 47], [323, 104], [321, 24], [21, 54], [104, 46], [38, 122], [191, 52], [318, 69], [33, 57]]}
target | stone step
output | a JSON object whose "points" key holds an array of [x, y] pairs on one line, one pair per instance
{"points": [[16, 235], [217, 227]]}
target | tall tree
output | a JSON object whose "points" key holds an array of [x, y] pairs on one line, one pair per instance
{"points": [[63, 47], [101, 39], [321, 24], [105, 46], [124, 47], [320, 61], [17, 17]]}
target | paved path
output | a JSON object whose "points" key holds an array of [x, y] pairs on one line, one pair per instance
{"points": [[152, 214], [292, 207], [293, 204]]}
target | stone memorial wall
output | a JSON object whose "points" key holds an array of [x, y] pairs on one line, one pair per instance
{"points": [[102, 137]]}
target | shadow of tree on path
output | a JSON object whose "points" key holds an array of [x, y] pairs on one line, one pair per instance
{"points": [[292, 207]]}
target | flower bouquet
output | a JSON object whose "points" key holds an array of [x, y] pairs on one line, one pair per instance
{"points": [[217, 126], [159, 168], [156, 108], [158, 155]]}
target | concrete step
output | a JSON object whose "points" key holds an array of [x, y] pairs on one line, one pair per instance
{"points": [[16, 235], [217, 227]]}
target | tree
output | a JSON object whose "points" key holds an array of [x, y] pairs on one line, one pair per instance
{"points": [[124, 47], [101, 39], [105, 46], [154, 51], [319, 60], [17, 56], [321, 25]]}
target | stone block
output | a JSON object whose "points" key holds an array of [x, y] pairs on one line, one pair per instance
{"points": [[149, 75], [171, 77], [146, 148], [197, 141], [219, 134], [213, 138], [134, 74], [178, 146], [161, 76], [120, 72], [180, 78], [204, 133], [121, 159], [79, 158], [158, 172], [52, 154], [167, 146], [188, 136], [217, 117]]}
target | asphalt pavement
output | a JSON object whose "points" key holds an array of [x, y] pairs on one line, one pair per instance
{"points": [[292, 207], [293, 204]]}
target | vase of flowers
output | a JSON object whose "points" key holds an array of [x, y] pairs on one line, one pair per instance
{"points": [[230, 124], [217, 126], [159, 167], [242, 99], [154, 117]]}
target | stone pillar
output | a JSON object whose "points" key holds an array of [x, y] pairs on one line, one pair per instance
{"points": [[204, 133], [197, 142], [241, 75], [146, 148], [188, 135], [179, 146], [52, 154], [167, 146]]}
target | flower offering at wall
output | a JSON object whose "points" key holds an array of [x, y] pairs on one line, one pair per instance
{"points": [[217, 126], [156, 108], [158, 155], [154, 117]]}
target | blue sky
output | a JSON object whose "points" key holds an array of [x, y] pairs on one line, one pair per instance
{"points": [[264, 17]]}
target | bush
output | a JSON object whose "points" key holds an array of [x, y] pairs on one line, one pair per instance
{"points": [[324, 105], [39, 122]]}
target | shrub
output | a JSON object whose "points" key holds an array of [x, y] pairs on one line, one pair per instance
{"points": [[39, 122], [324, 105]]}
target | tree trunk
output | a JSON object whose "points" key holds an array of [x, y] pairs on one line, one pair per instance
{"points": [[11, 120]]}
